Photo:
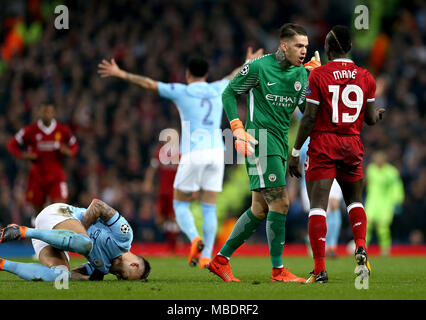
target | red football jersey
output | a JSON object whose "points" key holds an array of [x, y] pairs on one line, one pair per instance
{"points": [[341, 90], [166, 160], [45, 142]]}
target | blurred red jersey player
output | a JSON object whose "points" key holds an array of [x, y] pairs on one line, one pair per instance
{"points": [[45, 143], [164, 162]]}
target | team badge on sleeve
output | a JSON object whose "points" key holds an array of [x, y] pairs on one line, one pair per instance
{"points": [[297, 86], [125, 228], [244, 70]]}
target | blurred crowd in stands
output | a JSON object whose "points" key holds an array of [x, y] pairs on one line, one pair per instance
{"points": [[117, 125]]}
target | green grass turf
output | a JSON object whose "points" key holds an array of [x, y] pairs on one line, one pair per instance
{"points": [[172, 279]]}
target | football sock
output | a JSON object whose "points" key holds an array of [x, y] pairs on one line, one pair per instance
{"points": [[384, 237], [65, 240], [333, 228], [317, 226], [185, 219], [358, 221], [209, 228], [33, 271], [275, 232], [245, 226]]}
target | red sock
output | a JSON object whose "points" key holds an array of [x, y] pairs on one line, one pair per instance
{"points": [[317, 232], [358, 221]]}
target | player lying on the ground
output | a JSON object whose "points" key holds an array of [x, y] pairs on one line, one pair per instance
{"points": [[99, 233]]}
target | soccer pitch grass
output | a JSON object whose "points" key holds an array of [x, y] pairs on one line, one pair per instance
{"points": [[171, 278]]}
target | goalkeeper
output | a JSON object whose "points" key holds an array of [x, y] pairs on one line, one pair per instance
{"points": [[385, 193], [276, 85]]}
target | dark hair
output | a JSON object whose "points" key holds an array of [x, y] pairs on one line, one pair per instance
{"points": [[198, 66], [289, 30], [146, 270], [47, 103], [340, 39]]}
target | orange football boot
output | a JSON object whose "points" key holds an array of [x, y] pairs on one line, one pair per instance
{"points": [[220, 266], [12, 232], [204, 261], [197, 246], [284, 275]]}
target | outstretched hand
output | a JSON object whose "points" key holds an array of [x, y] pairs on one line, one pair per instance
{"points": [[314, 63], [250, 55], [109, 69]]}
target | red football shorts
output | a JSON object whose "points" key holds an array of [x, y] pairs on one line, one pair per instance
{"points": [[334, 156], [39, 188], [164, 205]]}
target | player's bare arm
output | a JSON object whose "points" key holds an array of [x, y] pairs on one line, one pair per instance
{"points": [[306, 125], [250, 55], [373, 114], [79, 273], [111, 69], [29, 156], [97, 209]]}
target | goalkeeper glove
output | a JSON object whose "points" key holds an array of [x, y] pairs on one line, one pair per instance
{"points": [[244, 142], [314, 63]]}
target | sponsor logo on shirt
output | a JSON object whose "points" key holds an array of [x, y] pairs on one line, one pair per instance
{"points": [[282, 101]]}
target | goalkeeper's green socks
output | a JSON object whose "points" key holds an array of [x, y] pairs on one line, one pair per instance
{"points": [[243, 229], [275, 232]]}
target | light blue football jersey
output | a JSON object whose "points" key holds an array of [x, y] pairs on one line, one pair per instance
{"points": [[302, 159], [110, 240], [200, 108]]}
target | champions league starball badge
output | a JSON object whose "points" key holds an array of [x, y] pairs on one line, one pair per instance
{"points": [[125, 228]]}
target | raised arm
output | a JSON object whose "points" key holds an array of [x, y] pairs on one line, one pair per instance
{"points": [[97, 209], [111, 69], [249, 56]]}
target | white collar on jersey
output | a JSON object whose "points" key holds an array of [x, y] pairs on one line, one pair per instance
{"points": [[47, 130], [343, 60]]}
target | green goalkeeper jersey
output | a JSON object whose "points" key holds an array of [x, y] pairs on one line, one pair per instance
{"points": [[384, 188], [273, 94]]}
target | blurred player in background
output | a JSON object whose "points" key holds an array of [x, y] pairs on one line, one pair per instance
{"points": [[165, 217], [334, 220], [201, 164], [276, 85], [99, 233], [45, 143], [385, 195], [334, 216], [340, 98]]}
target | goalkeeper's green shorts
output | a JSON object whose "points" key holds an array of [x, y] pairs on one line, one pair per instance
{"points": [[266, 172]]}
